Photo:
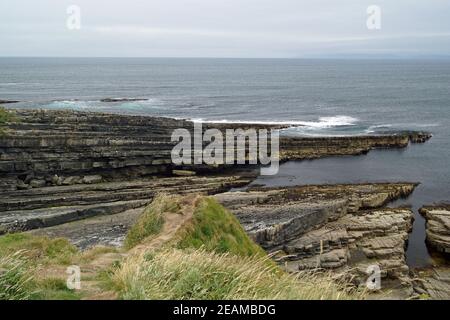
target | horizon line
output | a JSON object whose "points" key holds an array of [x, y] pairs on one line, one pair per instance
{"points": [[343, 57]]}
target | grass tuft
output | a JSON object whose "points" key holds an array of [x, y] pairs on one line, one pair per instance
{"points": [[216, 229], [199, 274], [15, 281]]}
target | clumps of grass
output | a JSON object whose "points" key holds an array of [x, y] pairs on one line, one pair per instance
{"points": [[23, 261], [216, 229], [200, 274], [53, 289], [5, 117], [151, 221], [15, 281], [36, 249]]}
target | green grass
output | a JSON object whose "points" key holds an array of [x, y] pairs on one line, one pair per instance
{"points": [[53, 289], [38, 249], [5, 117], [212, 227], [25, 258], [216, 229], [200, 274], [15, 280]]}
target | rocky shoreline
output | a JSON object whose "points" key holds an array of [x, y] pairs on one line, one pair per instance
{"points": [[87, 176], [344, 228], [53, 148]]}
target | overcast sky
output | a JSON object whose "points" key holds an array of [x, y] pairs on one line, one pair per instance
{"points": [[225, 28]]}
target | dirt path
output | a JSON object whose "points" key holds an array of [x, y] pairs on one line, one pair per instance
{"points": [[173, 222], [91, 287]]}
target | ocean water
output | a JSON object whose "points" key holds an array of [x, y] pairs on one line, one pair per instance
{"points": [[323, 97]]}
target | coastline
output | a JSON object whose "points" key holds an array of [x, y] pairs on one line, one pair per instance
{"points": [[67, 170]]}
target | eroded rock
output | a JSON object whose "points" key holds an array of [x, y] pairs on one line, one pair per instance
{"points": [[37, 183], [433, 283], [274, 216], [343, 228], [438, 227]]}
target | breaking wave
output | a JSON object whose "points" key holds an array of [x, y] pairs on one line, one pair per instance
{"points": [[321, 123]]}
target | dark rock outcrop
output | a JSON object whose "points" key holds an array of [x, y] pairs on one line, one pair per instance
{"points": [[295, 148], [122, 99], [8, 101]]}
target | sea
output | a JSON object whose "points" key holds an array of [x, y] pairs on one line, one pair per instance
{"points": [[316, 97]]}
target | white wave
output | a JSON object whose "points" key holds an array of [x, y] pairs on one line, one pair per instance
{"points": [[75, 104], [330, 122], [322, 123], [97, 105]]}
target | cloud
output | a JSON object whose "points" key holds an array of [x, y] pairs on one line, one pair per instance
{"points": [[247, 28]]}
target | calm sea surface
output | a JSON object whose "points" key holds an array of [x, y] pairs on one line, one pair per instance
{"points": [[326, 97]]}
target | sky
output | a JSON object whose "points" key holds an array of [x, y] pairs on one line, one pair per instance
{"points": [[225, 28]]}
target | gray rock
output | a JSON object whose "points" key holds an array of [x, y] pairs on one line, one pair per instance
{"points": [[343, 228], [92, 179], [71, 180], [37, 183], [22, 185], [56, 180], [8, 101]]}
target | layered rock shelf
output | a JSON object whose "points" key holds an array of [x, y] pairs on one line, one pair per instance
{"points": [[433, 283], [58, 166], [344, 228], [273, 216], [296, 148], [438, 227], [48, 206], [53, 148]]}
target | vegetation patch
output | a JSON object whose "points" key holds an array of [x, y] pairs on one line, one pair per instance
{"points": [[15, 280], [41, 250], [199, 274], [5, 117], [33, 267], [53, 289], [216, 229]]}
